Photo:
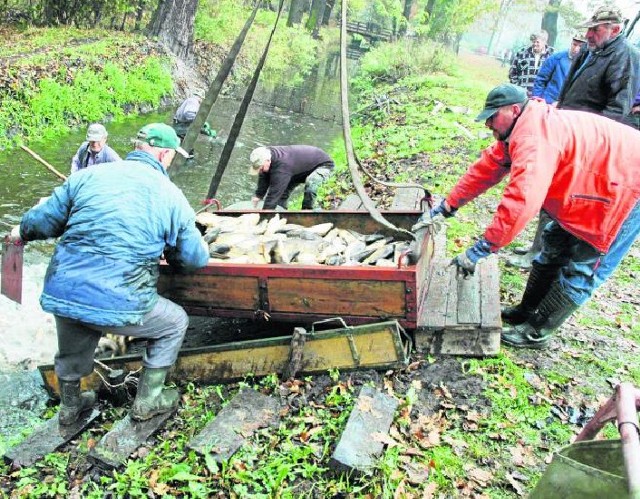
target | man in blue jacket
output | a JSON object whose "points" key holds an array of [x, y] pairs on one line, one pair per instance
{"points": [[114, 224], [553, 72]]}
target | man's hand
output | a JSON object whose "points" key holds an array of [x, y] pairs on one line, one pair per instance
{"points": [[255, 200], [14, 235], [466, 262], [427, 219], [464, 266]]}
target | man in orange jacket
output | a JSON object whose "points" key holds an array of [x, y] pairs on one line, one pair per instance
{"points": [[582, 169]]}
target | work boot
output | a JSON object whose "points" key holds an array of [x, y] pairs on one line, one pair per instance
{"points": [[73, 403], [538, 285], [525, 260], [554, 309], [152, 397]]}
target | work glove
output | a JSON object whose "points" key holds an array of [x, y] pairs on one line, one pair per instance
{"points": [[466, 262], [14, 235], [427, 218]]}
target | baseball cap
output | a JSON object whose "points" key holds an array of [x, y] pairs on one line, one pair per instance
{"points": [[258, 156], [603, 15], [161, 135], [96, 132], [502, 95], [579, 37]]}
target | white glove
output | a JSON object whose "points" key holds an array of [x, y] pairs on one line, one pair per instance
{"points": [[15, 234]]}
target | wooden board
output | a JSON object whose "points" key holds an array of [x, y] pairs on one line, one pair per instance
{"points": [[358, 448], [461, 316], [374, 346], [124, 438], [248, 411], [48, 437]]}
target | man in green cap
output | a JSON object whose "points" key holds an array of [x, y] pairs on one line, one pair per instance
{"points": [[113, 225], [575, 166]]}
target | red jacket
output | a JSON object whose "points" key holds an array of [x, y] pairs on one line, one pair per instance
{"points": [[583, 169]]}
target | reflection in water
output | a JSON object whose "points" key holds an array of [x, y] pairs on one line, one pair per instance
{"points": [[24, 180]]}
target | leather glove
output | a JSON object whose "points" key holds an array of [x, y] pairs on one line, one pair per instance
{"points": [[466, 262], [427, 219]]}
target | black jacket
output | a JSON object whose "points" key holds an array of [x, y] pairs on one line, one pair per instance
{"points": [[607, 84]]}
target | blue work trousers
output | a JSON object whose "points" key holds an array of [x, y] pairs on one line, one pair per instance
{"points": [[164, 328], [583, 268]]}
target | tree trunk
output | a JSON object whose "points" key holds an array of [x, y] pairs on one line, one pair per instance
{"points": [[408, 7], [327, 12], [429, 9], [296, 9], [550, 21], [315, 16], [173, 25], [139, 14], [505, 5]]}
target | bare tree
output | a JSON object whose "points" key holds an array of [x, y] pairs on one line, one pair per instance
{"points": [[296, 10], [173, 25], [550, 21]]}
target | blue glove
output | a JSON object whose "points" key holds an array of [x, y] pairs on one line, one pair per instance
{"points": [[426, 219], [442, 210], [466, 262]]}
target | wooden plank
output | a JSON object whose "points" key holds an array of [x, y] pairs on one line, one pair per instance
{"points": [[469, 299], [490, 294], [407, 198], [451, 316], [385, 299], [126, 435], [212, 290], [470, 341], [358, 447], [434, 307], [374, 346], [248, 411], [48, 437], [351, 202]]}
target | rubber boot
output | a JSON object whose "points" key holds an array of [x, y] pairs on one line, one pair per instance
{"points": [[525, 261], [73, 403], [538, 285], [152, 397], [554, 309]]}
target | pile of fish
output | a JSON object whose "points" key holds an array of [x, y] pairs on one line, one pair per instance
{"points": [[247, 239]]}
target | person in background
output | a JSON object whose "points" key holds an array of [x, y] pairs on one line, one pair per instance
{"points": [[604, 78], [527, 62], [574, 165], [186, 114], [113, 225], [95, 150], [282, 168], [553, 72]]}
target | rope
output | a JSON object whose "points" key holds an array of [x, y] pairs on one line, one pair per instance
{"points": [[351, 158], [239, 119]]}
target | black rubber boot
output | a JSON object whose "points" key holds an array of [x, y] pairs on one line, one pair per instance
{"points": [[554, 309], [538, 285], [73, 403], [152, 397]]}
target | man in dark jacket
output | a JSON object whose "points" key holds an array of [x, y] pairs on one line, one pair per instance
{"points": [[282, 168], [603, 79], [113, 224]]}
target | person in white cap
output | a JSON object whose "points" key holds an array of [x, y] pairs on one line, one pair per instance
{"points": [[94, 150], [112, 225]]}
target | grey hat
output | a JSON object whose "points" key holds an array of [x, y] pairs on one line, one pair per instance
{"points": [[96, 132], [502, 95], [604, 15]]}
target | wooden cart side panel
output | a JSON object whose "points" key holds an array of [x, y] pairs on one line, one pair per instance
{"points": [[214, 291], [338, 297]]}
